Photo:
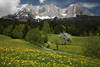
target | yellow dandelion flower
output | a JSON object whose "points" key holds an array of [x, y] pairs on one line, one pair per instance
{"points": [[43, 58], [54, 64], [9, 63], [70, 63], [48, 63], [65, 56]]}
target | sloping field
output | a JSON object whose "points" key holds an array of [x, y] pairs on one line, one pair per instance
{"points": [[19, 53]]}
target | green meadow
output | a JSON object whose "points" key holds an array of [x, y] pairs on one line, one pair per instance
{"points": [[20, 53]]}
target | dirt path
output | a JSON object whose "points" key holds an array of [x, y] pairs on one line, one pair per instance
{"points": [[54, 50]]}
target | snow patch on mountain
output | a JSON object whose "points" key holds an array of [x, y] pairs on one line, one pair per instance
{"points": [[43, 17]]}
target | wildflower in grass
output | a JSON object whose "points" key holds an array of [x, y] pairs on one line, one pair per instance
{"points": [[38, 58], [9, 63], [4, 63], [17, 60], [25, 57], [83, 59], [22, 62], [54, 64], [82, 62], [43, 58], [70, 63], [62, 62], [68, 60], [65, 56], [48, 63]]}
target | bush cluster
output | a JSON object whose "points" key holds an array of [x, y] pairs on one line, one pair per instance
{"points": [[92, 47], [32, 33]]}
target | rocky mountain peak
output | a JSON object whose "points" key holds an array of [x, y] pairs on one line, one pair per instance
{"points": [[75, 9], [51, 11]]}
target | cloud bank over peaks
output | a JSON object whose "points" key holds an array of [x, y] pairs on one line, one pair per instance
{"points": [[90, 5], [8, 7], [41, 1]]}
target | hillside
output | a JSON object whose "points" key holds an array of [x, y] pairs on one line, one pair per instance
{"points": [[19, 53]]}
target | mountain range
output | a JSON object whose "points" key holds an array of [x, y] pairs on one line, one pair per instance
{"points": [[51, 11]]}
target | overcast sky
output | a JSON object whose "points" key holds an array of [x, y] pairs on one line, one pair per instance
{"points": [[10, 6]]}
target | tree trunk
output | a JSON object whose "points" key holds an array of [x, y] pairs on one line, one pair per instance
{"points": [[57, 46]]}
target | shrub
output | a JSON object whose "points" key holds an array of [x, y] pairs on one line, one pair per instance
{"points": [[36, 36], [44, 37], [92, 47]]}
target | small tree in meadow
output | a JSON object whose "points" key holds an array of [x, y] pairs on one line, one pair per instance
{"points": [[65, 37], [57, 44]]}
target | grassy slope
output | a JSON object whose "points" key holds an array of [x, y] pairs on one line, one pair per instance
{"points": [[19, 53], [2, 37], [75, 47], [8, 42]]}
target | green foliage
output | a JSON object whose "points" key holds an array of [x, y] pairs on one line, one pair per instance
{"points": [[44, 37], [46, 27], [18, 31], [3, 37], [98, 30], [8, 30], [92, 47], [72, 29], [45, 31], [59, 28], [33, 36], [36, 36], [1, 29]]}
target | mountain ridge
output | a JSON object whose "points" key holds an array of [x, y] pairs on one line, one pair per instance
{"points": [[51, 11]]}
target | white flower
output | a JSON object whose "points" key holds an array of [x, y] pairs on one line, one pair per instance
{"points": [[65, 36]]}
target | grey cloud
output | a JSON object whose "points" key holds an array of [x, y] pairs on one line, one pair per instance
{"points": [[90, 5], [8, 7]]}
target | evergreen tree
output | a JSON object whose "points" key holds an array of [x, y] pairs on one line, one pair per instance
{"points": [[18, 31], [59, 28], [46, 27]]}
